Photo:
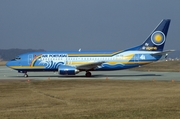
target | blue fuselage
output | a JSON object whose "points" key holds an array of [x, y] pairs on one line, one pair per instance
{"points": [[51, 61]]}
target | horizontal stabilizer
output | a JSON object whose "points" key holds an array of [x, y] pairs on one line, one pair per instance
{"points": [[163, 53]]}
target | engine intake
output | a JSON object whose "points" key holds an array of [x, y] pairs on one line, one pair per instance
{"points": [[67, 70]]}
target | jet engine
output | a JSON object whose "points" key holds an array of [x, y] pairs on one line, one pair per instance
{"points": [[67, 70]]}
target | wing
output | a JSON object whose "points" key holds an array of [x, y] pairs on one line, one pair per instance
{"points": [[89, 66]]}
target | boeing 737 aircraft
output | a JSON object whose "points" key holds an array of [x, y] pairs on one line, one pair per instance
{"points": [[71, 63]]}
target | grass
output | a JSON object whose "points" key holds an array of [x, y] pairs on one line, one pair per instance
{"points": [[89, 99]]}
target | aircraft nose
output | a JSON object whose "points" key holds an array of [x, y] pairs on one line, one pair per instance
{"points": [[8, 64]]}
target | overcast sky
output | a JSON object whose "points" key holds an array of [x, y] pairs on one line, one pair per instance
{"points": [[86, 24]]}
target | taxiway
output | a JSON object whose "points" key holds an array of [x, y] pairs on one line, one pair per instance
{"points": [[7, 73]]}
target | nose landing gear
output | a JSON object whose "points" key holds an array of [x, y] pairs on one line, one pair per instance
{"points": [[25, 75]]}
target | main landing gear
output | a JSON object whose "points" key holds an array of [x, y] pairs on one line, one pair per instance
{"points": [[88, 74]]}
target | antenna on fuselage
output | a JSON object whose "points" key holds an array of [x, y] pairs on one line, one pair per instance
{"points": [[79, 50]]}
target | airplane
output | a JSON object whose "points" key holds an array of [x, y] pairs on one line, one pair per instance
{"points": [[71, 63]]}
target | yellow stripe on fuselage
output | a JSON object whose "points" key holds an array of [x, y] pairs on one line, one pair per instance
{"points": [[93, 55], [111, 63], [136, 62], [128, 57], [27, 67], [77, 63], [117, 52]]}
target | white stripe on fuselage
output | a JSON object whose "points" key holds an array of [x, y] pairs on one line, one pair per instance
{"points": [[74, 61]]}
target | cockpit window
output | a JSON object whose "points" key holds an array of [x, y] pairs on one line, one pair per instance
{"points": [[17, 58]]}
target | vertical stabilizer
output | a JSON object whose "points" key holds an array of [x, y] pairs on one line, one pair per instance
{"points": [[157, 39]]}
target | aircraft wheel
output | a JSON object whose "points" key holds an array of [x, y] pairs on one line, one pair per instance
{"points": [[25, 75], [88, 74]]}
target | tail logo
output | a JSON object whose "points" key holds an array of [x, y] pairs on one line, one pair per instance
{"points": [[158, 38]]}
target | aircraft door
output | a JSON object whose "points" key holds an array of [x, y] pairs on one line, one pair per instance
{"points": [[68, 61], [64, 59], [136, 58], [30, 58]]}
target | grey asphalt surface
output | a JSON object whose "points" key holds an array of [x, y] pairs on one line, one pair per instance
{"points": [[7, 73]]}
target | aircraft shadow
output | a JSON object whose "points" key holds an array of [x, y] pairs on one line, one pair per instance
{"points": [[138, 75], [93, 76]]}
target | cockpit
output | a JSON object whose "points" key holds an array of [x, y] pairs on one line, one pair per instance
{"points": [[16, 59], [14, 62]]}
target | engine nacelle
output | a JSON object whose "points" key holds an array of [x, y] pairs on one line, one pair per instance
{"points": [[67, 70]]}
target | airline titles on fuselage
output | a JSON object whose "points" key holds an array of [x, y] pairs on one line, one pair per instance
{"points": [[53, 55]]}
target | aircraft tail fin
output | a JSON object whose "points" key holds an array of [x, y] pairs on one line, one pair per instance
{"points": [[157, 39]]}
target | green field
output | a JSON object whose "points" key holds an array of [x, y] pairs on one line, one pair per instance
{"points": [[89, 99]]}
